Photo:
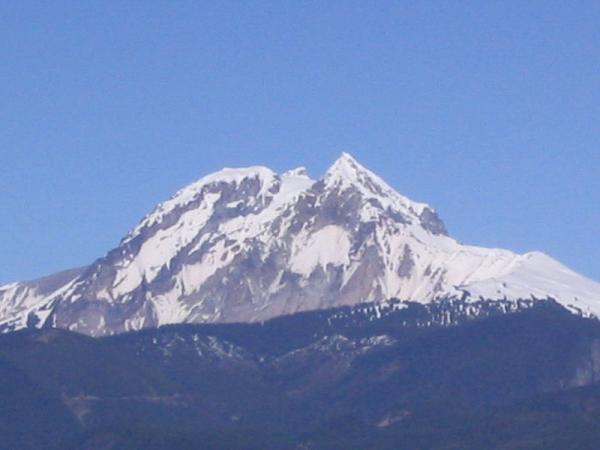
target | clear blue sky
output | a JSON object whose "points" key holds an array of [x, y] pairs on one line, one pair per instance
{"points": [[489, 111]]}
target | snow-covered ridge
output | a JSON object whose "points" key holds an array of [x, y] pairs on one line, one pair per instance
{"points": [[346, 172], [250, 244], [189, 193]]}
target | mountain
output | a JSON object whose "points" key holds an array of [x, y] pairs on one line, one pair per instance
{"points": [[246, 245], [352, 377]]}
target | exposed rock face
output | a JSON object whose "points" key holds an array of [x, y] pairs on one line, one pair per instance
{"points": [[249, 244]]}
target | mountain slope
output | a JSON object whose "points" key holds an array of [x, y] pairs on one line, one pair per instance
{"points": [[330, 379], [248, 244]]}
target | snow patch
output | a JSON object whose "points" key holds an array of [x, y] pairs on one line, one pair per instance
{"points": [[329, 245]]}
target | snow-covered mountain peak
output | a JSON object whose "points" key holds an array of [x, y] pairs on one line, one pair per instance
{"points": [[227, 176], [348, 175], [195, 192], [347, 171], [249, 244]]}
